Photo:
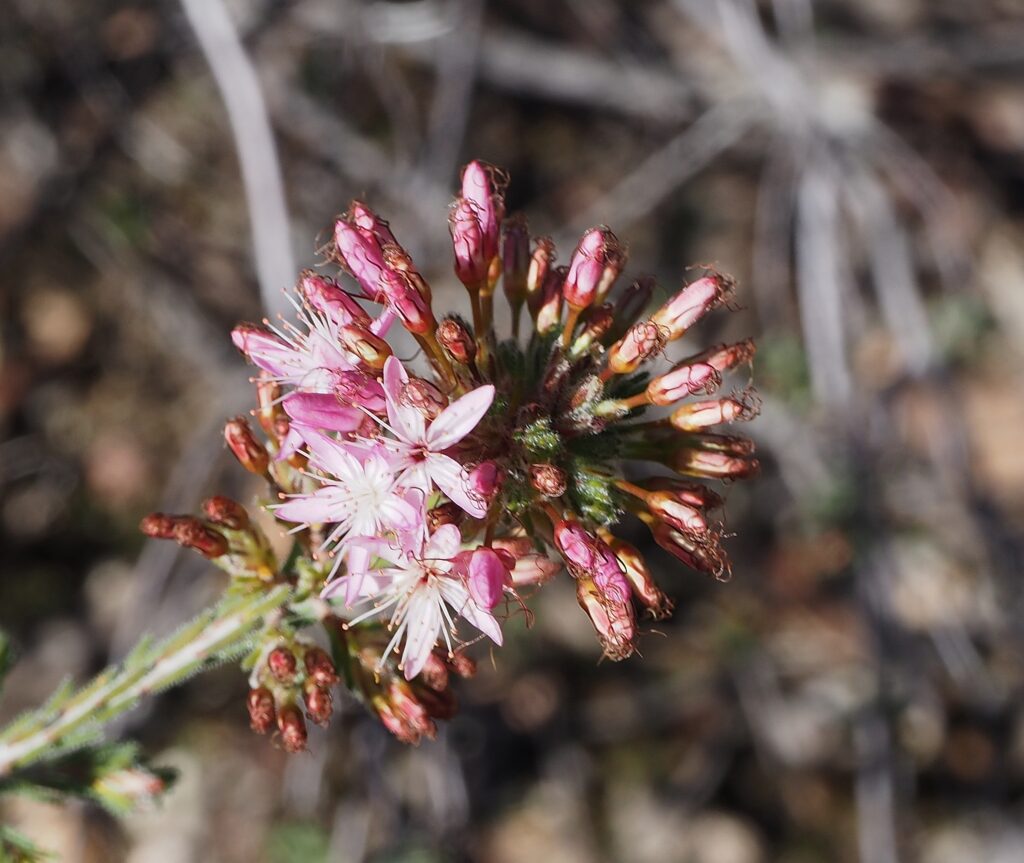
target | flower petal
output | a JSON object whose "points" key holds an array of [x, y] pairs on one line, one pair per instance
{"points": [[459, 418], [444, 544], [322, 411], [451, 478], [459, 599], [423, 617], [323, 505]]}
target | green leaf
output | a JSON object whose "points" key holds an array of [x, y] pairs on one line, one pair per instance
{"points": [[16, 848]]}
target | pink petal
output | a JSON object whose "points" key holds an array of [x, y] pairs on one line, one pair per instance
{"points": [[323, 411], [361, 255], [407, 422], [452, 480], [424, 625], [267, 351], [399, 514], [487, 577], [295, 438], [444, 544], [319, 507], [459, 599], [459, 418]]}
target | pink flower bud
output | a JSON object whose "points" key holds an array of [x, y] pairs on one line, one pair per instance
{"points": [[714, 465], [423, 396], [456, 339], [293, 729], [530, 566], [262, 715], [677, 512], [483, 186], [158, 525], [397, 259], [693, 493], [691, 304], [632, 302], [320, 667], [515, 260], [370, 224], [702, 553], [549, 313], [726, 357], [402, 713], [685, 379], [541, 262], [486, 576], [594, 266], [485, 480], [641, 342], [327, 297], [406, 302], [358, 389], [639, 577], [251, 454], [434, 673], [471, 266], [704, 414], [361, 254], [613, 620]]}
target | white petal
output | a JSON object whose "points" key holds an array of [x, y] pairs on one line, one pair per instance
{"points": [[459, 418]]}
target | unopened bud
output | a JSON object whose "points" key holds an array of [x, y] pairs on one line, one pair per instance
{"points": [[268, 397], [530, 566], [691, 304], [226, 512], [550, 480], [456, 339], [460, 664], [613, 619], [320, 668], [398, 259], [630, 304], [594, 266], [695, 416], [702, 553], [641, 342], [293, 729], [360, 252], [192, 533], [713, 465], [639, 577], [549, 313], [475, 223], [726, 357], [282, 664], [251, 454], [372, 351], [516, 260], [319, 704], [434, 673], [158, 525], [327, 297], [484, 481], [406, 302], [542, 261], [424, 397], [685, 379], [370, 224], [444, 513], [597, 321], [678, 513], [260, 702]]}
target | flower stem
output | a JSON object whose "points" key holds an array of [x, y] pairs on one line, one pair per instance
{"points": [[68, 721]]}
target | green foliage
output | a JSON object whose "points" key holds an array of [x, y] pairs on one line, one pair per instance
{"points": [[15, 848], [592, 492], [6, 657], [297, 843]]}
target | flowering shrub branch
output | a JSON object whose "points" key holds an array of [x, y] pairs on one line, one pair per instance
{"points": [[427, 501]]}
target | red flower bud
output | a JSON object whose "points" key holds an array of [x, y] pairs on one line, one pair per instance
{"points": [[639, 577], [251, 454], [192, 533], [328, 298], [691, 304], [261, 709], [713, 465], [282, 664], [226, 512], [319, 704], [702, 553], [550, 480], [406, 302], [613, 618], [320, 668], [293, 729], [641, 342], [456, 339], [158, 525], [594, 266], [445, 513], [549, 313]]}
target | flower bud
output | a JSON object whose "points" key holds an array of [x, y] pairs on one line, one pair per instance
{"points": [[268, 397], [702, 553], [515, 260], [597, 321], [293, 729], [726, 357], [713, 465], [406, 302], [695, 416], [226, 512], [594, 266], [445, 513], [693, 493], [424, 397], [358, 389], [550, 480], [439, 704], [530, 566], [369, 224], [678, 513], [158, 525], [484, 481], [282, 664], [486, 577], [475, 223], [372, 351], [641, 342], [434, 673], [691, 304], [360, 252], [192, 533], [261, 709], [724, 443], [685, 379], [549, 313], [402, 713], [251, 454], [460, 664], [319, 667], [467, 242], [327, 297], [319, 704], [542, 262], [613, 619], [456, 339], [639, 576], [630, 304]]}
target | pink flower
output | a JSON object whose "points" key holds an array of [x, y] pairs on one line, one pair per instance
{"points": [[417, 449], [425, 587], [359, 493]]}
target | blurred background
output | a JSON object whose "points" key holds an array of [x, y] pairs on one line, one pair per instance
{"points": [[855, 694]]}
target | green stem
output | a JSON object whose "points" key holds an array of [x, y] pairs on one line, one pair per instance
{"points": [[148, 669]]}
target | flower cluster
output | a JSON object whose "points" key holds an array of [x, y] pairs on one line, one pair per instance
{"points": [[426, 495]]}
